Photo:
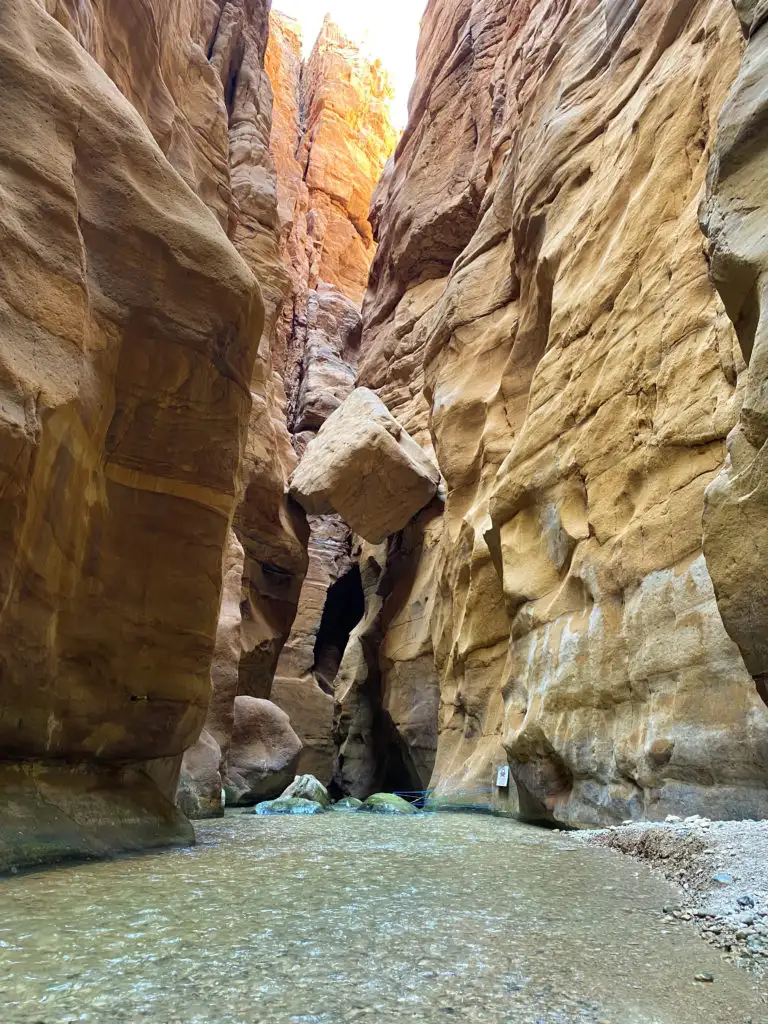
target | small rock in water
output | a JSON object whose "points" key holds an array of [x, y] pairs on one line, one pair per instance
{"points": [[289, 805], [306, 787], [387, 803], [348, 803], [704, 977]]}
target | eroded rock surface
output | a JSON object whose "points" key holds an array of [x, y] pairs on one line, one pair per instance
{"points": [[264, 752], [734, 218], [366, 467], [331, 137], [201, 782], [128, 332], [540, 316]]}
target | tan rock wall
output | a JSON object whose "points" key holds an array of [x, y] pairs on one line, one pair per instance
{"points": [[733, 216], [128, 332], [194, 70], [540, 314], [156, 52], [330, 140]]}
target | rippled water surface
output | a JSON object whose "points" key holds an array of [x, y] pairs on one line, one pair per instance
{"points": [[347, 917]]}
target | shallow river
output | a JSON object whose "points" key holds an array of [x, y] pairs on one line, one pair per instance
{"points": [[349, 917]]}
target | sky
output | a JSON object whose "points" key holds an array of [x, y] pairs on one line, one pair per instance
{"points": [[387, 29]]}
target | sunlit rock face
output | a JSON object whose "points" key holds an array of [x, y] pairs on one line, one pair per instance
{"points": [[364, 466], [330, 140], [733, 216], [129, 327], [540, 316]]}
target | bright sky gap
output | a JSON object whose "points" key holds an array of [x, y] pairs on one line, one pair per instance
{"points": [[388, 31]]}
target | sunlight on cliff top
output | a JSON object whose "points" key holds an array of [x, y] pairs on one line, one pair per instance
{"points": [[389, 32]]}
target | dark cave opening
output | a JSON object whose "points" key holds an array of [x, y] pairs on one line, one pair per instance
{"points": [[344, 608], [230, 89]]}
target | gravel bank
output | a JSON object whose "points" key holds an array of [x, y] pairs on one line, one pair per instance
{"points": [[721, 869]]}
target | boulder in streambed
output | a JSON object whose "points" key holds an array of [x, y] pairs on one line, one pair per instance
{"points": [[348, 803], [307, 787], [387, 803], [288, 805], [263, 754]]}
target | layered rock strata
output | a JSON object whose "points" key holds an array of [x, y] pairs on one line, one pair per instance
{"points": [[540, 316], [330, 140], [129, 333], [733, 216]]}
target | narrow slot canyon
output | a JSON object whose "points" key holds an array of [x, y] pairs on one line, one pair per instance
{"points": [[382, 437]]}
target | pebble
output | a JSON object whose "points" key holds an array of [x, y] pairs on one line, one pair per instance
{"points": [[704, 977], [722, 878]]}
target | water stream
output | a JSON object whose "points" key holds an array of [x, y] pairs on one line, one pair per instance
{"points": [[351, 917]]}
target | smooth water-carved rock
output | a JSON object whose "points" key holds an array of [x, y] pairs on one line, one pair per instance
{"points": [[201, 783], [128, 331], [734, 218], [540, 316], [348, 804], [387, 803], [289, 805], [263, 754], [194, 71], [200, 792], [387, 690], [366, 467], [307, 787]]}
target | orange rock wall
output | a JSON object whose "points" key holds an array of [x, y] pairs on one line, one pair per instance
{"points": [[330, 140], [141, 415]]}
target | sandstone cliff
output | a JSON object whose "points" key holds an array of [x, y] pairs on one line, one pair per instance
{"points": [[132, 359], [733, 216], [183, 268], [540, 316], [330, 140]]}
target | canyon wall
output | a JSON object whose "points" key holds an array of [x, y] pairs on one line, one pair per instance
{"points": [[733, 217], [331, 138], [186, 249], [134, 354], [540, 317]]}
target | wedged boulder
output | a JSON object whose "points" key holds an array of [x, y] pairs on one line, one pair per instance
{"points": [[307, 787], [289, 805], [366, 467], [387, 803], [264, 752]]}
